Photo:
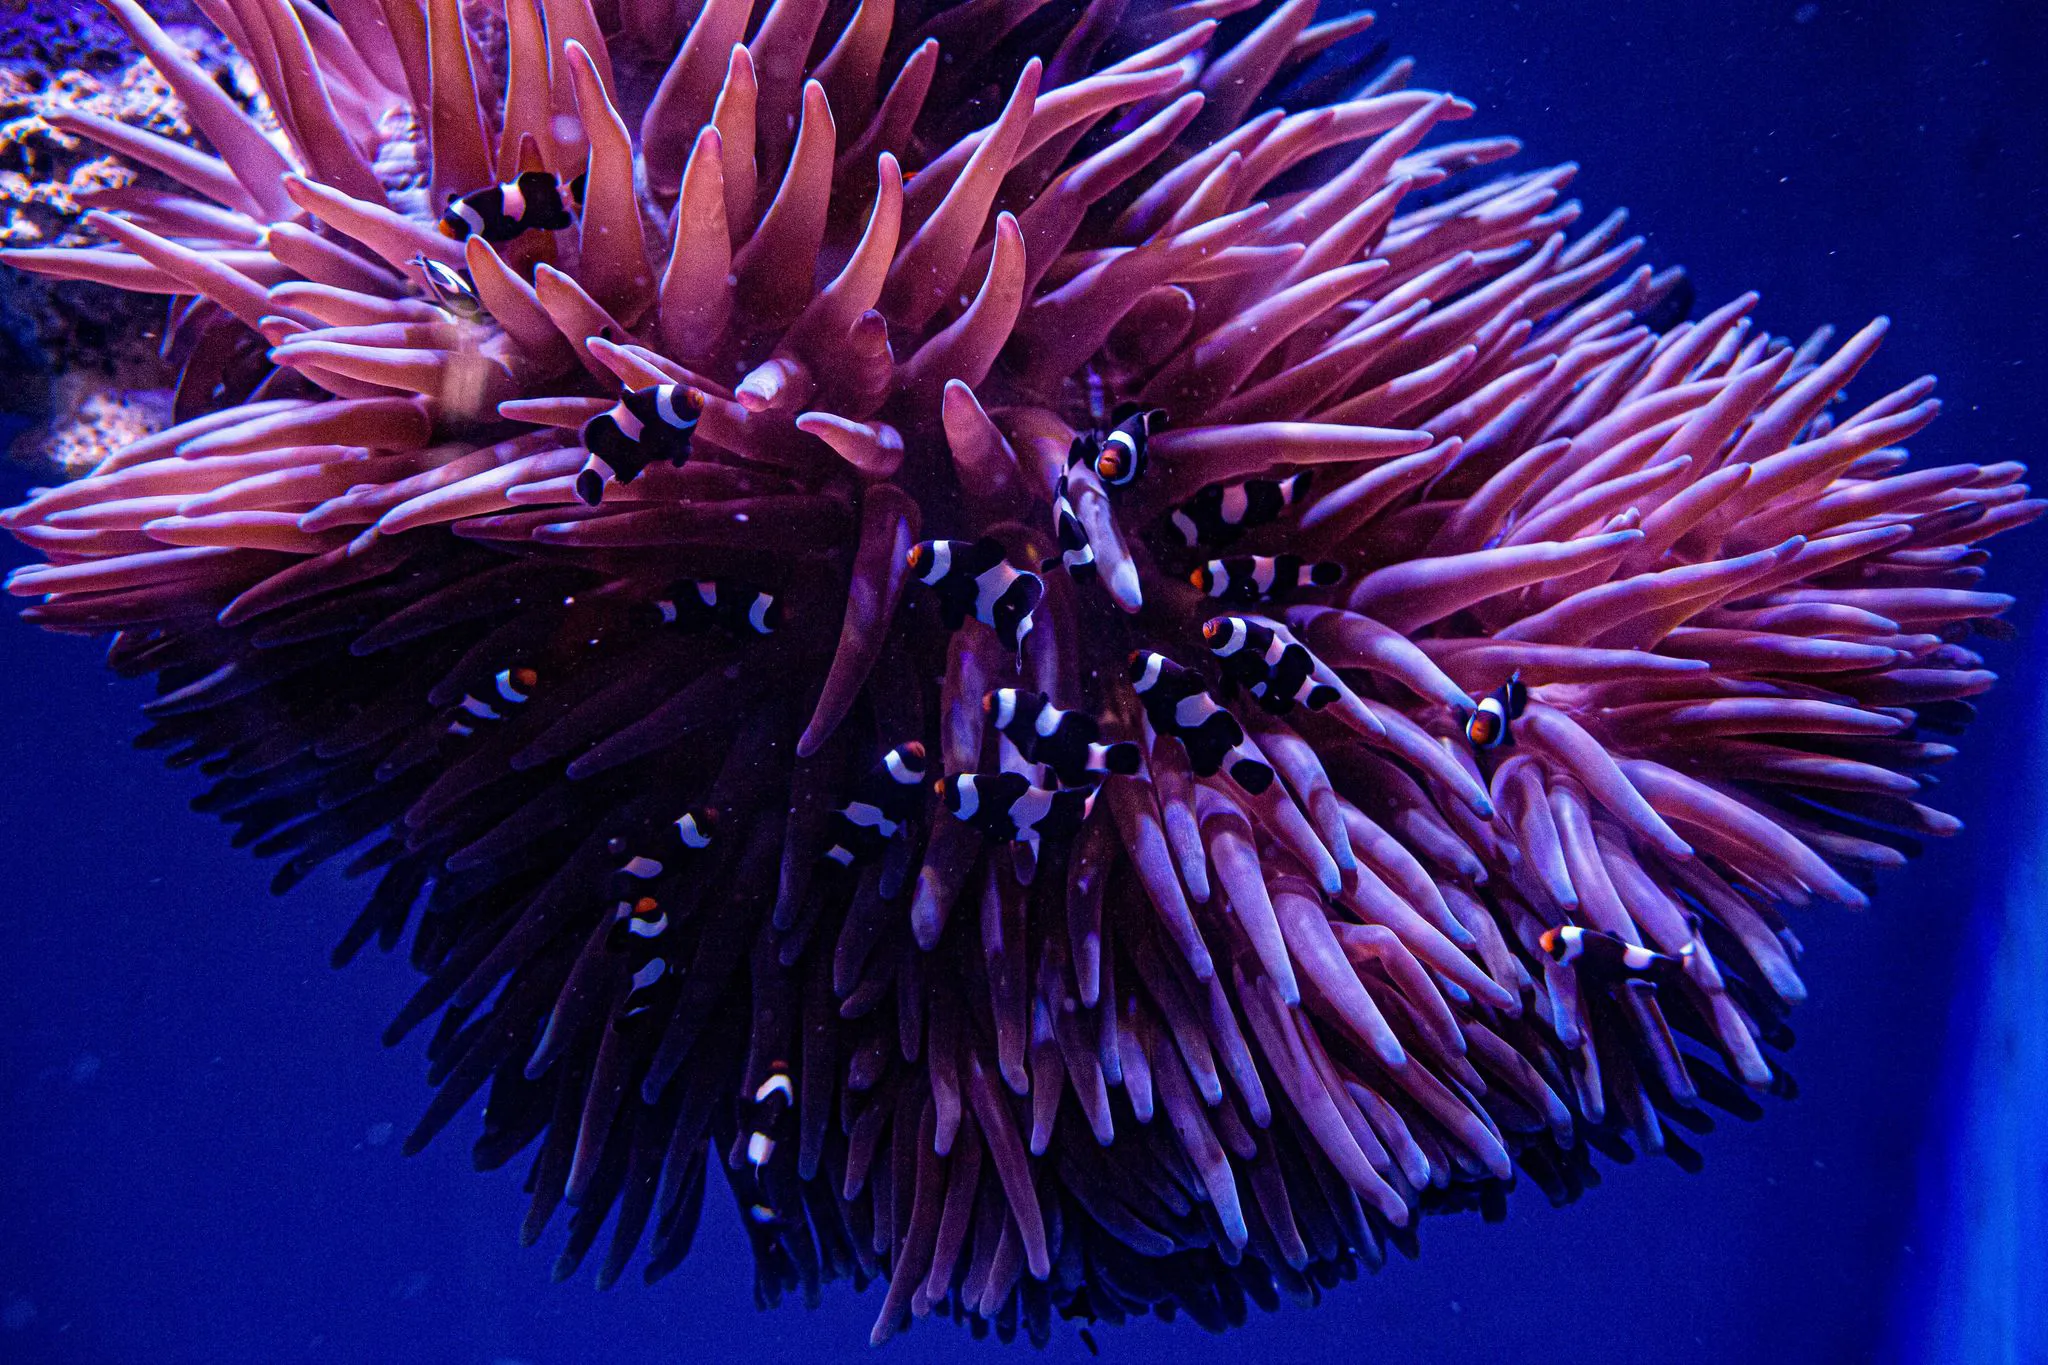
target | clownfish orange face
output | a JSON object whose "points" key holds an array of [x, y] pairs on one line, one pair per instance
{"points": [[1486, 726], [1549, 941], [1203, 579], [1110, 463], [919, 553], [646, 905], [1213, 629], [525, 677]]}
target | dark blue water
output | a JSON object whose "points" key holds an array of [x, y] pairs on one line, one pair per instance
{"points": [[199, 1131]]}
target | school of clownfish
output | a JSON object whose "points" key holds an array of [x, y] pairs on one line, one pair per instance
{"points": [[1256, 657]]}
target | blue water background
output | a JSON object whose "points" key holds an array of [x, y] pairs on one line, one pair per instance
{"points": [[199, 1131]]}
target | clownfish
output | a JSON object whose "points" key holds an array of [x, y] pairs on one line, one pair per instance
{"points": [[1222, 512], [1589, 949], [1077, 555], [1068, 742], [739, 607], [641, 927], [450, 289], [532, 201], [1120, 456], [649, 424], [1276, 671], [1179, 705], [862, 828], [973, 579], [512, 687], [1249, 579], [1487, 727], [773, 1099], [1008, 806]]}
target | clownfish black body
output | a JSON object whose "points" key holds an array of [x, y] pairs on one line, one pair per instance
{"points": [[641, 927], [1179, 705], [650, 424], [1277, 672], [739, 608], [1607, 956], [1077, 555], [510, 690], [1120, 456], [1068, 742], [763, 1187], [861, 829], [1221, 513], [972, 578], [532, 201], [1246, 580], [451, 289], [1487, 727], [1007, 806]]}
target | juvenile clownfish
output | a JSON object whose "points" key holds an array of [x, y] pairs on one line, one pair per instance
{"points": [[1007, 806], [772, 1101], [646, 425], [972, 578], [532, 201], [1121, 456], [1068, 742], [641, 927], [889, 794], [1487, 727], [739, 607], [1077, 555], [1606, 955], [1250, 579], [512, 687], [1179, 705], [450, 289], [1221, 513], [1276, 671]]}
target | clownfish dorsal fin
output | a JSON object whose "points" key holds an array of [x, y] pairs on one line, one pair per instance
{"points": [[530, 158]]}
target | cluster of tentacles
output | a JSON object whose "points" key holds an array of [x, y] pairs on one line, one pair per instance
{"points": [[1184, 1029]]}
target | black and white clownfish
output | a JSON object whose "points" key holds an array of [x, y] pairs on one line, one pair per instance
{"points": [[1608, 956], [1068, 742], [766, 1125], [1250, 579], [740, 608], [1222, 512], [1008, 806], [1276, 671], [532, 201], [772, 1101], [646, 425], [641, 927], [1487, 727], [1077, 555], [862, 828], [1121, 455], [510, 690], [450, 289], [1179, 705], [973, 579]]}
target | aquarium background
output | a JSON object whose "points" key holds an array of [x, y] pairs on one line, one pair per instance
{"points": [[199, 1132]]}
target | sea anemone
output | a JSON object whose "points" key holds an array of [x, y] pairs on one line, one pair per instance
{"points": [[1045, 630]]}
